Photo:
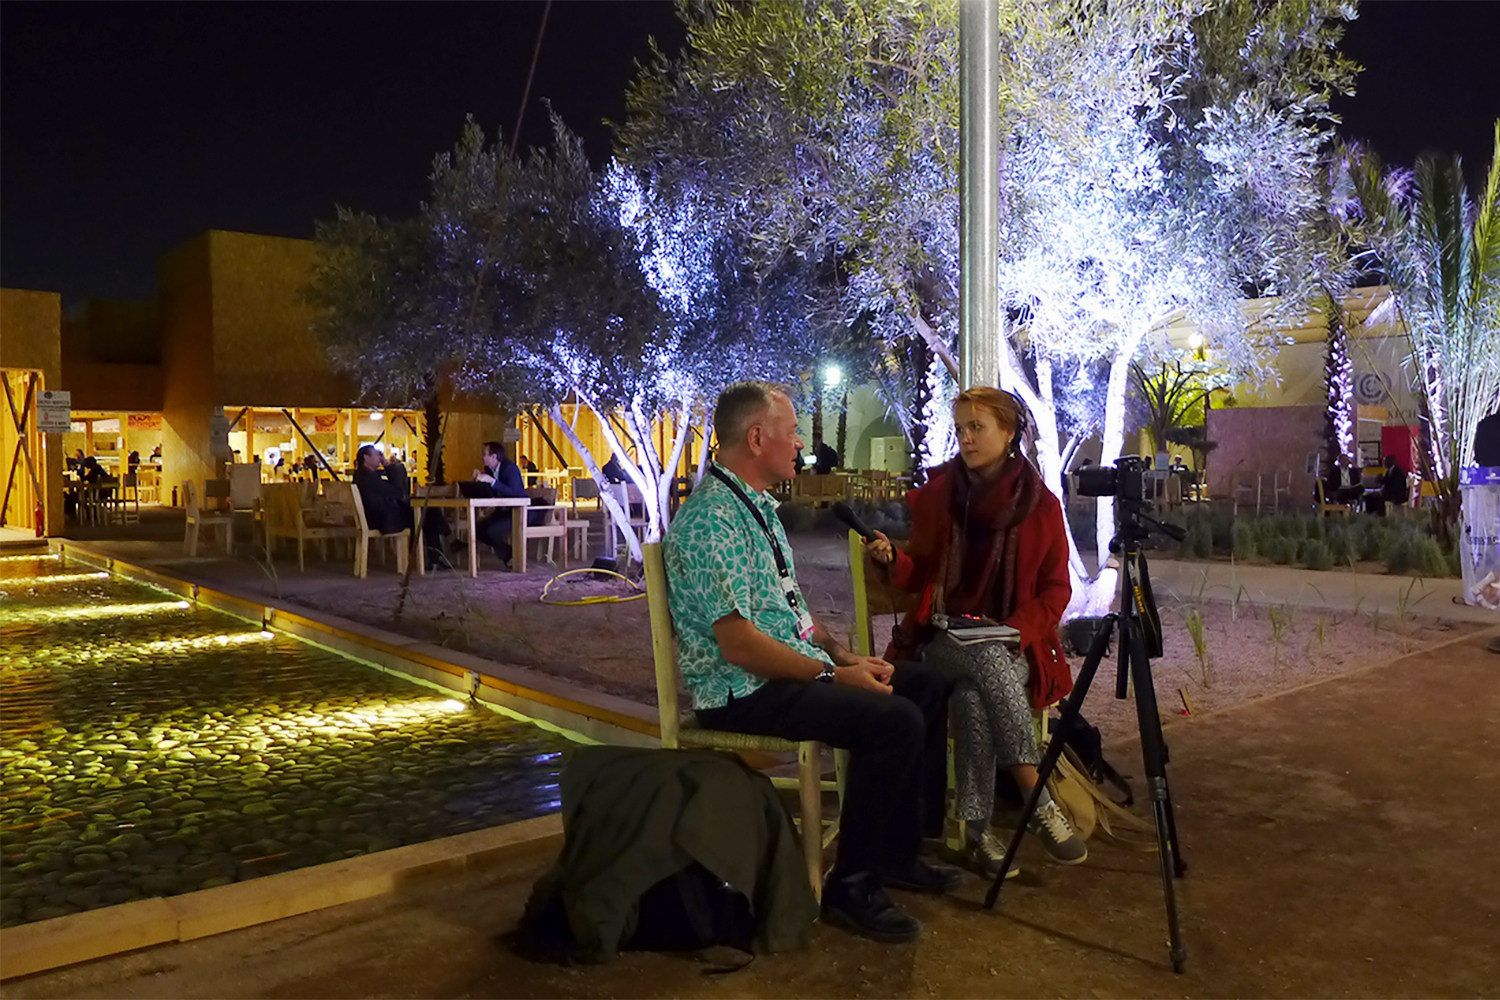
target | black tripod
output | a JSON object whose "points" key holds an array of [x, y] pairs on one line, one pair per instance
{"points": [[1136, 622]]}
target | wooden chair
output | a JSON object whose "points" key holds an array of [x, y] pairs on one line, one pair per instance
{"points": [[147, 481], [684, 730], [123, 502], [1324, 507], [554, 526], [284, 517], [344, 497], [199, 520]]}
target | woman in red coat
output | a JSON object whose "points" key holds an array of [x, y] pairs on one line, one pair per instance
{"points": [[988, 541]]}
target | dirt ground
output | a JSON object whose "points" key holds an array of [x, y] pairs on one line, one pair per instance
{"points": [[1340, 838]]}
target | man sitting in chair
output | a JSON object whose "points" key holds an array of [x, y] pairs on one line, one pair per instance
{"points": [[757, 662]]}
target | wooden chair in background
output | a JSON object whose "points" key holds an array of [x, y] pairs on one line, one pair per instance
{"points": [[343, 497], [200, 520], [554, 526], [283, 516]]}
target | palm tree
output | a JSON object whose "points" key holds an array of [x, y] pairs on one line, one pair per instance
{"points": [[1441, 253]]}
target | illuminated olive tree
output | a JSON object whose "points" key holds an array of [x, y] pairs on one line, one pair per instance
{"points": [[588, 286], [1158, 159]]}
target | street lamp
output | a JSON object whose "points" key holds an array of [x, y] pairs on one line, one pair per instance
{"points": [[832, 376]]}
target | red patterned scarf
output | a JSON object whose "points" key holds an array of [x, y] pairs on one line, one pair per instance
{"points": [[977, 573]]}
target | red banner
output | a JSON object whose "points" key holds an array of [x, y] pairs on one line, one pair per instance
{"points": [[325, 423], [144, 421]]}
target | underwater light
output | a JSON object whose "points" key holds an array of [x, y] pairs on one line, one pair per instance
{"points": [[60, 578], [51, 555], [69, 612]]}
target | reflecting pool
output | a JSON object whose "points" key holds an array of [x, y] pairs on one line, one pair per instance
{"points": [[149, 747]]}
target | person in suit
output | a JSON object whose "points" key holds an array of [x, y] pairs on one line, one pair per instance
{"points": [[504, 479]]}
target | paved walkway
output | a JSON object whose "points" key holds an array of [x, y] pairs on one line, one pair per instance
{"points": [[1341, 838]]}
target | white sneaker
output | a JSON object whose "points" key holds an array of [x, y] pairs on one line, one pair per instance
{"points": [[986, 855], [1051, 827]]}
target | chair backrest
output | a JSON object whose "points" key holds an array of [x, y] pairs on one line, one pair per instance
{"points": [[585, 489], [662, 651], [873, 595], [342, 498], [548, 496], [190, 497], [356, 505], [283, 508], [216, 489], [129, 481], [244, 485]]}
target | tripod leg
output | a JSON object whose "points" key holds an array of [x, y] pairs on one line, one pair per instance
{"points": [[1152, 757], [1054, 751]]}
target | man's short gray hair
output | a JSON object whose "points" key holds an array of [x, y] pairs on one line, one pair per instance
{"points": [[737, 408]]}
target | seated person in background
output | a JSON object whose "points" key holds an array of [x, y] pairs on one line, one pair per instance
{"points": [[612, 470], [1347, 485], [156, 454], [504, 479], [384, 491], [132, 460], [825, 458], [527, 465], [1393, 488], [988, 540], [76, 462], [756, 661]]}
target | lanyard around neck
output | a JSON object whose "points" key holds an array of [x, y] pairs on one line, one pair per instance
{"points": [[781, 566]]}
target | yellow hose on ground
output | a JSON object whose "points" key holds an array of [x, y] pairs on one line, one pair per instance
{"points": [[593, 598]]}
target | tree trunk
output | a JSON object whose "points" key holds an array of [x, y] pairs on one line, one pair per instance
{"points": [[843, 430], [1338, 381], [817, 423], [432, 438], [919, 357]]}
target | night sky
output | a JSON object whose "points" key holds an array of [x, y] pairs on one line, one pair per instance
{"points": [[128, 128]]}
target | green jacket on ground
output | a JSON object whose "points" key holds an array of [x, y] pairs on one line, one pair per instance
{"points": [[633, 817]]}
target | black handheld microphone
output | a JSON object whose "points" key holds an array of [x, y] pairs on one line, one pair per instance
{"points": [[843, 512]]}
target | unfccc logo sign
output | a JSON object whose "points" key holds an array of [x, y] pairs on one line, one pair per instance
{"points": [[1369, 389]]}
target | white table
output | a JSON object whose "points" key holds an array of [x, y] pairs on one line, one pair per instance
{"points": [[519, 505]]}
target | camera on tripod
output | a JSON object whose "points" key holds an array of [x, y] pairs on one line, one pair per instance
{"points": [[1126, 480]]}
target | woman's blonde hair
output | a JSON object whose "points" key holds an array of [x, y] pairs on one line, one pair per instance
{"points": [[1008, 411]]}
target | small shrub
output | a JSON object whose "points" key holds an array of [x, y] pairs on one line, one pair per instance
{"points": [[1400, 554], [1455, 566], [1372, 541], [1294, 528], [1316, 554], [1431, 560], [1221, 529], [1279, 550], [1342, 547], [1199, 543], [1243, 541]]}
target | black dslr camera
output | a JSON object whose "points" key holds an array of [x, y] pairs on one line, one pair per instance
{"points": [[1126, 480]]}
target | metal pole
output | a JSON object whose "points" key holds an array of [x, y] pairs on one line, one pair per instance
{"points": [[979, 192]]}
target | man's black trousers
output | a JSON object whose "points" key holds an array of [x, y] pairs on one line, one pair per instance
{"points": [[897, 745]]}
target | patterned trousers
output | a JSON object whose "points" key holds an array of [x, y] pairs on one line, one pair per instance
{"points": [[990, 718]]}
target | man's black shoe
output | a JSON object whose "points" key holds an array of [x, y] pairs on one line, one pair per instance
{"points": [[859, 905], [923, 876]]}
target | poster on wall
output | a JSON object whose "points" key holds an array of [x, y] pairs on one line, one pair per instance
{"points": [[144, 421], [54, 411], [325, 423]]}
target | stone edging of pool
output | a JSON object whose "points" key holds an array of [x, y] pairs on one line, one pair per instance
{"points": [[81, 937]]}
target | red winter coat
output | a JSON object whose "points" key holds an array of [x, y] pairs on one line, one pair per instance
{"points": [[1042, 588]]}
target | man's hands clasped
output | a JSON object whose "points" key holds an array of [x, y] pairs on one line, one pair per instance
{"points": [[868, 672]]}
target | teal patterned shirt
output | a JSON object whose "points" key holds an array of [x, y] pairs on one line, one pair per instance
{"points": [[718, 562]]}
